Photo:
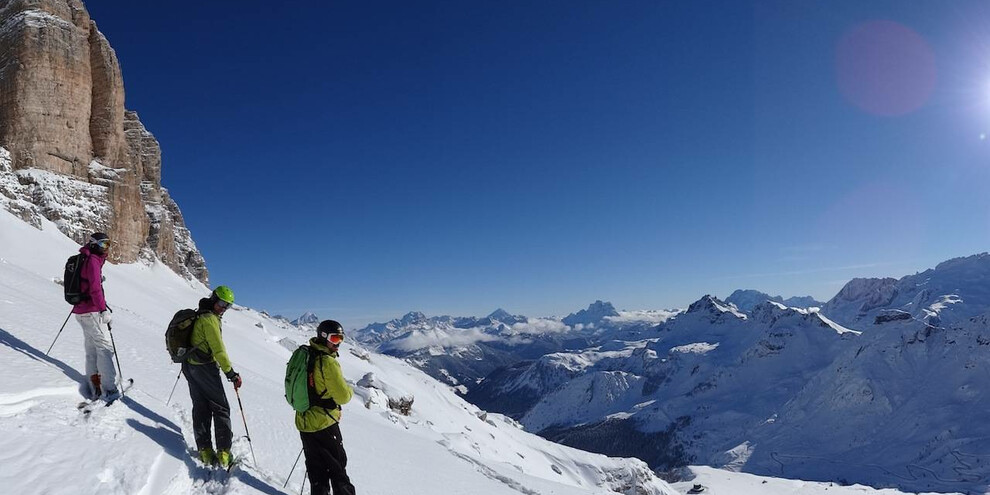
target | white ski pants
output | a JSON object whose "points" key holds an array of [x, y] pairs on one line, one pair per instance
{"points": [[99, 351]]}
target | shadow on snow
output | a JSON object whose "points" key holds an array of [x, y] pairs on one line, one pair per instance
{"points": [[9, 340], [175, 445]]}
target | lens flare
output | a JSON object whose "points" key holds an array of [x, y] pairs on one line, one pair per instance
{"points": [[885, 68]]}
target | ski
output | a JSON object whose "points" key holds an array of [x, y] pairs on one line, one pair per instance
{"points": [[86, 406], [234, 462]]}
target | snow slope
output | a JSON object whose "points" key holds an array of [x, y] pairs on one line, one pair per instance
{"points": [[140, 445]]}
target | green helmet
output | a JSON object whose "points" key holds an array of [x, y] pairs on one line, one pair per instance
{"points": [[224, 293]]}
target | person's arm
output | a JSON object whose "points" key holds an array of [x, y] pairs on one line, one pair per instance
{"points": [[211, 330], [333, 382]]}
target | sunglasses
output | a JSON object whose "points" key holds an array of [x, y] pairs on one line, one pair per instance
{"points": [[336, 338]]}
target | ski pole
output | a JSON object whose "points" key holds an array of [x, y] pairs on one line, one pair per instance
{"points": [[119, 370], [293, 469], [173, 386], [59, 332], [303, 485], [246, 432]]}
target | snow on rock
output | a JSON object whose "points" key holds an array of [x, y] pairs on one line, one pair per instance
{"points": [[34, 194], [587, 398], [696, 348]]}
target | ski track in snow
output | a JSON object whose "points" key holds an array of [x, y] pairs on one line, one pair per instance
{"points": [[12, 404]]}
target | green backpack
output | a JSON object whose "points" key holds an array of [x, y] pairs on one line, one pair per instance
{"points": [[298, 374], [300, 390]]}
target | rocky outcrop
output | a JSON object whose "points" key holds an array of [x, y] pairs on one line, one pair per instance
{"points": [[76, 156]]}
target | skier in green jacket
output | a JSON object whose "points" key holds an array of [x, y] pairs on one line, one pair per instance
{"points": [[202, 371], [319, 426]]}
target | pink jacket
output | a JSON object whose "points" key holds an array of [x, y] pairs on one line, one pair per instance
{"points": [[92, 283]]}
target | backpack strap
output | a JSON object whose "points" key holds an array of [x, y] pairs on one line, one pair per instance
{"points": [[83, 261], [316, 398]]}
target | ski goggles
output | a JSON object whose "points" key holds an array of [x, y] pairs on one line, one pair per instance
{"points": [[335, 338], [103, 244], [223, 304]]}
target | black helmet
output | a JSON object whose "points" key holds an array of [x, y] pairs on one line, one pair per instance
{"points": [[99, 242], [328, 328]]}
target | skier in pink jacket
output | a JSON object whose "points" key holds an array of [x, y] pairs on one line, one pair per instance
{"points": [[94, 318]]}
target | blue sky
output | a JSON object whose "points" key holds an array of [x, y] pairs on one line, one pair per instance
{"points": [[364, 159]]}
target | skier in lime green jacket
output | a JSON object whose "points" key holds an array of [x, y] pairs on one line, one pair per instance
{"points": [[319, 426], [202, 371]]}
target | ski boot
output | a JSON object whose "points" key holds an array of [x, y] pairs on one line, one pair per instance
{"points": [[225, 459], [207, 456]]}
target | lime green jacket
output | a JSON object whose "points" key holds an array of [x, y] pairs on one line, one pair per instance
{"points": [[328, 383], [206, 337]]}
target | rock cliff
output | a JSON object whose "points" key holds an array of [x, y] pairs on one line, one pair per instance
{"points": [[71, 152]]}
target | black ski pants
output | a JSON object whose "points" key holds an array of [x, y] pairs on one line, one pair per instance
{"points": [[209, 405], [326, 461]]}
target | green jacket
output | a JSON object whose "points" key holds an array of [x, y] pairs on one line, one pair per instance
{"points": [[206, 337], [328, 383]]}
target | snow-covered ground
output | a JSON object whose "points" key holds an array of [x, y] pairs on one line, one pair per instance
{"points": [[141, 445], [721, 482]]}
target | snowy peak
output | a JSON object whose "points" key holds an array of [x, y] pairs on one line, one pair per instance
{"points": [[411, 318], [502, 315], [595, 313], [307, 319], [711, 305]]}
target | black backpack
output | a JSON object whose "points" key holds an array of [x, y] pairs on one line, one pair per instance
{"points": [[72, 280], [178, 335]]}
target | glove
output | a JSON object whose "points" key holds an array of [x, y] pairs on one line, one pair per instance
{"points": [[234, 378], [105, 317]]}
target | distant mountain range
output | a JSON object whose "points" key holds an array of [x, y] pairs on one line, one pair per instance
{"points": [[308, 320], [747, 299], [884, 383]]}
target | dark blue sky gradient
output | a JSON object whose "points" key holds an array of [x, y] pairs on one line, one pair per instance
{"points": [[364, 159]]}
